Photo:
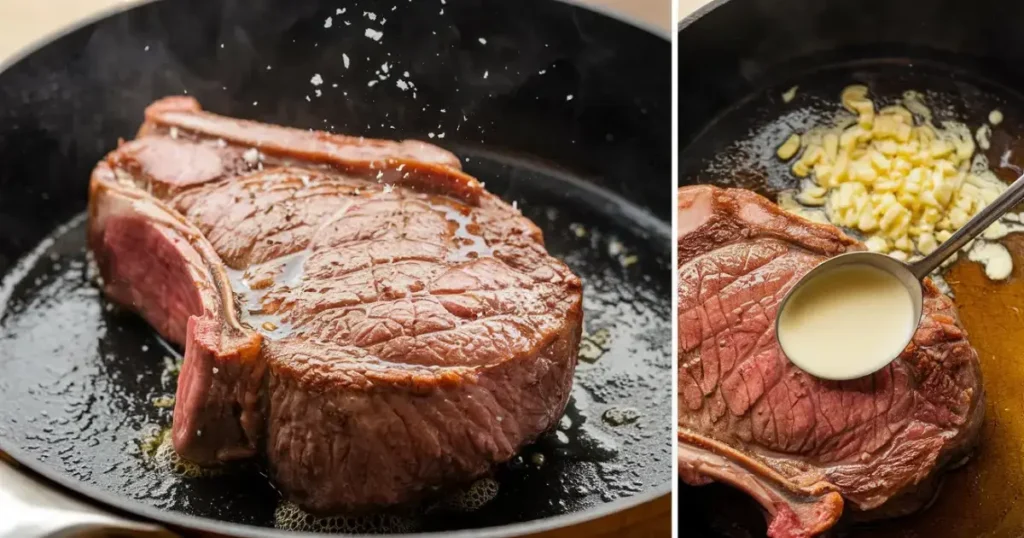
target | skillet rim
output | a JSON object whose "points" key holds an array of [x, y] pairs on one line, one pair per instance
{"points": [[121, 505]]}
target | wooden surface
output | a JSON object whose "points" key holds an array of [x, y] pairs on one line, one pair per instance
{"points": [[24, 22]]}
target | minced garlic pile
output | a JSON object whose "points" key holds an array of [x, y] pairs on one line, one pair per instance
{"points": [[903, 182]]}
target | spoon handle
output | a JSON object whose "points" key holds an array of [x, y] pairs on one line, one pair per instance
{"points": [[1012, 196]]}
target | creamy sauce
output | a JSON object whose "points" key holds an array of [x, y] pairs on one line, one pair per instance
{"points": [[847, 322]]}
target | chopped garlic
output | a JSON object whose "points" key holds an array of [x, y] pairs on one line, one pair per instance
{"points": [[995, 117], [790, 94], [894, 176], [789, 148], [984, 136]]}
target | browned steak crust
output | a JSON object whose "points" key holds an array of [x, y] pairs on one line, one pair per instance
{"points": [[362, 311]]}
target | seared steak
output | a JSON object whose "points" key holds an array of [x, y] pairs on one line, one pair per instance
{"points": [[801, 446], [362, 311]]}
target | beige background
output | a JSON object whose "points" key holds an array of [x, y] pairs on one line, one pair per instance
{"points": [[24, 21]]}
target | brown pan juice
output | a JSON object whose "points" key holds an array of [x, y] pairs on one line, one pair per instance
{"points": [[984, 496]]}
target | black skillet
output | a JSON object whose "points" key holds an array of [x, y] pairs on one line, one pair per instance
{"points": [[737, 58], [562, 110]]}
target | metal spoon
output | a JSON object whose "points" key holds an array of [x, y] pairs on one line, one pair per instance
{"points": [[910, 275]]}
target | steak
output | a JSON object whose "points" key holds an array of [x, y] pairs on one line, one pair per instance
{"points": [[360, 312], [804, 447]]}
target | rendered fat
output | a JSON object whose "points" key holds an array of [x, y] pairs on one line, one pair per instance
{"points": [[847, 322]]}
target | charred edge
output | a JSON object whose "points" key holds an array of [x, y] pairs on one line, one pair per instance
{"points": [[431, 170]]}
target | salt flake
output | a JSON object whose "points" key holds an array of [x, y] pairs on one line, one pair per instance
{"points": [[316, 80], [374, 34]]}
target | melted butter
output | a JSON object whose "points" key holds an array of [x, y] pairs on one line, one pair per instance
{"points": [[994, 257], [252, 289], [823, 326], [470, 244]]}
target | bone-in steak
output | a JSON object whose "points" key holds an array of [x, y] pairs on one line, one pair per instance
{"points": [[801, 446], [361, 311]]}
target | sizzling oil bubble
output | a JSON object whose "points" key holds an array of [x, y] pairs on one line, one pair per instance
{"points": [[161, 449], [617, 416], [288, 516], [593, 346], [473, 498]]}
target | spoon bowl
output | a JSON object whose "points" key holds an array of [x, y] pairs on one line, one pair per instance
{"points": [[902, 272]]}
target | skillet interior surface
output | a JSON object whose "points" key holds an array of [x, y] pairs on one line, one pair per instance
{"points": [[543, 101], [732, 143]]}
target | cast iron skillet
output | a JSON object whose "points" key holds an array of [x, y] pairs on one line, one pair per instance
{"points": [[737, 58], [555, 107]]}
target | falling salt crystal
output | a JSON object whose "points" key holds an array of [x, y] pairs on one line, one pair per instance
{"points": [[483, 41], [269, 68], [316, 80], [568, 97], [145, 348], [402, 84], [431, 135], [405, 74], [335, 85], [486, 73], [372, 83], [146, 47], [388, 187], [340, 11], [174, 132], [307, 98], [370, 15], [254, 103], [440, 135], [374, 34], [384, 67], [251, 155], [318, 93], [515, 205], [542, 71], [344, 58], [328, 22]]}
